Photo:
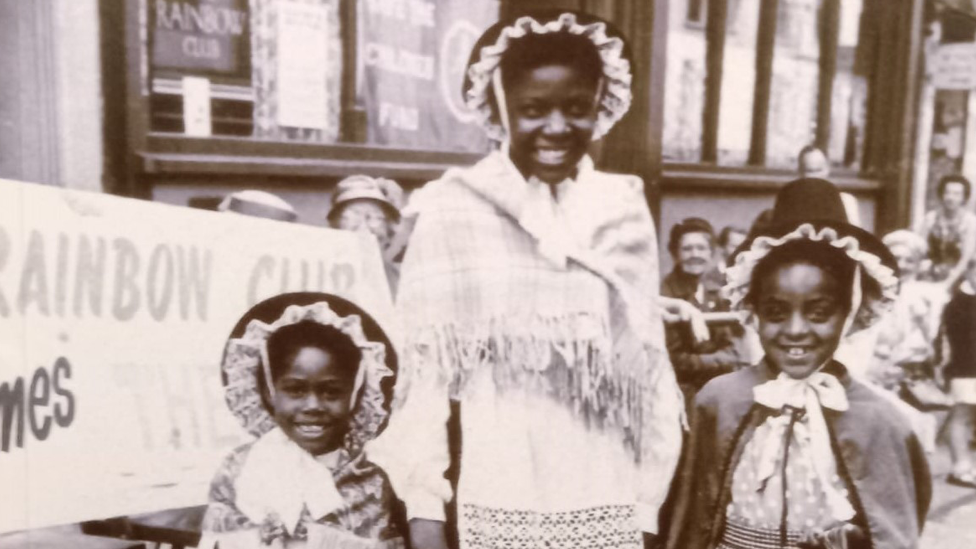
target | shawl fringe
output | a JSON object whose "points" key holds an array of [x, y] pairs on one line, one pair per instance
{"points": [[578, 368]]}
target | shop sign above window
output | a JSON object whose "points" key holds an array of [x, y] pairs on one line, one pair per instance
{"points": [[202, 36]]}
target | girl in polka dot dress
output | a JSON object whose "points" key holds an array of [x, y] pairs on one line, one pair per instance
{"points": [[792, 452]]}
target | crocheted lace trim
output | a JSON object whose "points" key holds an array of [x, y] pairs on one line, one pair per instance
{"points": [[617, 95], [243, 358], [604, 527]]}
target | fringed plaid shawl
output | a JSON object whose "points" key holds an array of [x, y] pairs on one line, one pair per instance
{"points": [[556, 297]]}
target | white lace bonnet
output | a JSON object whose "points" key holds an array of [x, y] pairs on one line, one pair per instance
{"points": [[488, 52], [811, 210], [246, 353]]}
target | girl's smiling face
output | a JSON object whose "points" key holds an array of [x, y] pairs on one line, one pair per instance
{"points": [[312, 398], [552, 111], [801, 317]]}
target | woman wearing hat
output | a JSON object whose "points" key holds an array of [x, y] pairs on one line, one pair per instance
{"points": [[793, 452], [363, 203], [310, 376], [529, 295]]}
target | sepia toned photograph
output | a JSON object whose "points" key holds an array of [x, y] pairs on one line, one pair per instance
{"points": [[487, 274]]}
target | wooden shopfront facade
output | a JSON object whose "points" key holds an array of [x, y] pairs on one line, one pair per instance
{"points": [[288, 96], [728, 91], [726, 94]]}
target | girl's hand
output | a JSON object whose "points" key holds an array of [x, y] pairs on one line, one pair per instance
{"points": [[679, 310], [427, 534]]}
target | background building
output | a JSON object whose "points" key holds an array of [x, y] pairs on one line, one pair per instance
{"points": [[184, 101]]}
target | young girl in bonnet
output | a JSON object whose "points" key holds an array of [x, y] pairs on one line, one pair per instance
{"points": [[528, 295], [793, 452], [309, 375]]}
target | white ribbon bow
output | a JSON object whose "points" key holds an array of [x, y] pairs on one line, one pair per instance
{"points": [[810, 394], [280, 478]]}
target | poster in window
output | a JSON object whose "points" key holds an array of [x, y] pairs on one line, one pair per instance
{"points": [[201, 36], [413, 55], [302, 54]]}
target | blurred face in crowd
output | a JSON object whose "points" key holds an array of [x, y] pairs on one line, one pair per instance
{"points": [[953, 196], [734, 240], [366, 215], [694, 253], [909, 262], [814, 164], [800, 317], [552, 113], [312, 400]]}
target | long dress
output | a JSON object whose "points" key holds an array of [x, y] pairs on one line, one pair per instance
{"points": [[534, 307]]}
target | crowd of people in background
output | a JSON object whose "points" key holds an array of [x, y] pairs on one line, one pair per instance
{"points": [[529, 297], [921, 351]]}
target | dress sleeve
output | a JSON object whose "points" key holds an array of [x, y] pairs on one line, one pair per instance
{"points": [[663, 403], [222, 514], [922, 476], [414, 450]]}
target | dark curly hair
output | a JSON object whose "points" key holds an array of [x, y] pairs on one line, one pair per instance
{"points": [[955, 178], [287, 341], [687, 226]]}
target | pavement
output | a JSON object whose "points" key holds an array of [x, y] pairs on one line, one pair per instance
{"points": [[951, 522]]}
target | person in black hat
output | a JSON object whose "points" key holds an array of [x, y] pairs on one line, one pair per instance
{"points": [[793, 452], [310, 375], [529, 295]]}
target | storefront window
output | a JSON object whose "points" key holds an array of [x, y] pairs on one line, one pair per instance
{"points": [[795, 78], [199, 66], [848, 104], [685, 82], [290, 71], [948, 139], [738, 82], [297, 56], [412, 60]]}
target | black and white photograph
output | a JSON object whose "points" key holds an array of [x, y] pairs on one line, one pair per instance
{"points": [[487, 274]]}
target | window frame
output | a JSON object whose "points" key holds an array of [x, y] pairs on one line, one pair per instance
{"points": [[151, 155]]}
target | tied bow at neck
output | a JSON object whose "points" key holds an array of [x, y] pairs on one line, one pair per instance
{"points": [[280, 479], [816, 391], [802, 423]]}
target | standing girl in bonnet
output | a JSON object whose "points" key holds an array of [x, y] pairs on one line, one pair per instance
{"points": [[528, 295], [310, 375], [793, 453]]}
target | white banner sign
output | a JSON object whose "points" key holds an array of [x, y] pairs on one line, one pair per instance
{"points": [[114, 314]]}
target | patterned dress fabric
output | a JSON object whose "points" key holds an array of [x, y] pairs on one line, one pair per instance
{"points": [[755, 514], [362, 507]]}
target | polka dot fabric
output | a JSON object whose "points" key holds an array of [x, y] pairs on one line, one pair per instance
{"points": [[759, 504]]}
